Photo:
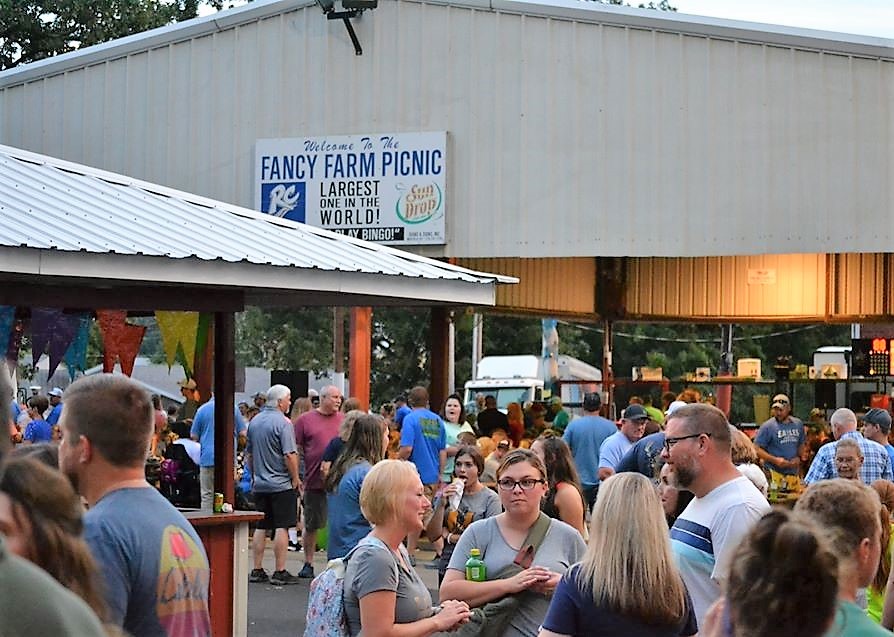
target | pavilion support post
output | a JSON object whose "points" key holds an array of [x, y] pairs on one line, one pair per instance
{"points": [[439, 334], [360, 354], [608, 377], [224, 386]]}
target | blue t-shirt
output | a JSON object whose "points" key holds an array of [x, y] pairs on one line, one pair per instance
{"points": [[153, 562], [400, 414], [573, 611], [55, 413], [347, 526], [890, 450], [38, 431], [424, 431], [584, 436], [781, 439], [15, 410], [641, 456], [203, 428]]}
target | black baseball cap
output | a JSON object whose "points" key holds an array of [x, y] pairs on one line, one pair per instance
{"points": [[635, 412], [592, 401]]}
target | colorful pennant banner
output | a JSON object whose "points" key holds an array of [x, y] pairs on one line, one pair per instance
{"points": [[52, 331], [179, 330], [121, 340]]}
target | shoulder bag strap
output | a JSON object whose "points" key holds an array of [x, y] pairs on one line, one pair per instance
{"points": [[533, 540]]}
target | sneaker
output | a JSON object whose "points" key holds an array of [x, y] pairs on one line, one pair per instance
{"points": [[307, 572], [294, 546], [283, 578], [258, 575]]}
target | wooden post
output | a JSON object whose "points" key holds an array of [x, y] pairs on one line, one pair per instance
{"points": [[439, 337], [360, 354], [224, 385]]}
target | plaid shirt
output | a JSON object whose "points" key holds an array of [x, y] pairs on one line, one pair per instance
{"points": [[876, 462]]}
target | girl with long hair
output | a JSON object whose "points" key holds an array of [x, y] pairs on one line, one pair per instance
{"points": [[476, 502], [782, 582], [627, 582], [365, 447], [42, 519], [453, 415], [564, 500]]}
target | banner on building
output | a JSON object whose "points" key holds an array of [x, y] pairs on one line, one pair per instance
{"points": [[387, 188]]}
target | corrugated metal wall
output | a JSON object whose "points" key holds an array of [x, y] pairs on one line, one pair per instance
{"points": [[567, 138], [782, 286], [840, 287], [558, 287]]}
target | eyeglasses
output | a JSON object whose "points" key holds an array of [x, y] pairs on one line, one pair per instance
{"points": [[670, 442], [526, 484]]}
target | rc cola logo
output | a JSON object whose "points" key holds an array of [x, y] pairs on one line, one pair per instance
{"points": [[419, 203], [284, 200]]}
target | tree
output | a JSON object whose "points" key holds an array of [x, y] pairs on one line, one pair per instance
{"points": [[31, 31], [285, 339]]}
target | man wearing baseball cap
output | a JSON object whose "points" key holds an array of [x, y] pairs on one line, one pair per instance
{"points": [[633, 425], [779, 443], [877, 426]]}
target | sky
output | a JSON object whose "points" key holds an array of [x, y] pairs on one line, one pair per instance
{"points": [[862, 17]]}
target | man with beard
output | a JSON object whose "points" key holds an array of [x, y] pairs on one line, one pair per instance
{"points": [[726, 504], [155, 569]]}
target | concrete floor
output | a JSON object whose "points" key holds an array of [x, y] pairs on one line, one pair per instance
{"points": [[275, 611]]}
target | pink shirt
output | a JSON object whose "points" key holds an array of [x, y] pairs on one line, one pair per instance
{"points": [[313, 431]]}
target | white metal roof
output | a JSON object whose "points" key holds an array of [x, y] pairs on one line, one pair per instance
{"points": [[578, 10], [63, 219]]}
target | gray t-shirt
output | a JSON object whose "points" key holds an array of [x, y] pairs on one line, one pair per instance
{"points": [[270, 437], [562, 547], [374, 568], [472, 507]]}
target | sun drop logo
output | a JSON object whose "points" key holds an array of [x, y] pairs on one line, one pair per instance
{"points": [[419, 203], [284, 199]]}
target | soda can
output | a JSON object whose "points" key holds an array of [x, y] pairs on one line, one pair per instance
{"points": [[218, 502]]}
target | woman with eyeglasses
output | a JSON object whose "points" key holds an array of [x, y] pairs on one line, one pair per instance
{"points": [[627, 582], [506, 540]]}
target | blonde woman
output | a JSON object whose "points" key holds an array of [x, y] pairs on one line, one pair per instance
{"points": [[627, 583], [383, 594]]}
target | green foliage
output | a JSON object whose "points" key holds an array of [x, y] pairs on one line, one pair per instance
{"points": [[400, 351], [36, 30], [285, 339]]}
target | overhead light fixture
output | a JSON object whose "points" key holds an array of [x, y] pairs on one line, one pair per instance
{"points": [[349, 9]]}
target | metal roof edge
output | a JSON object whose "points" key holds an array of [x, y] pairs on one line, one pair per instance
{"points": [[687, 24], [164, 191], [147, 40], [580, 10], [703, 26]]}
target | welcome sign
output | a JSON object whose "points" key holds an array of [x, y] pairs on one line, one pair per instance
{"points": [[388, 188]]}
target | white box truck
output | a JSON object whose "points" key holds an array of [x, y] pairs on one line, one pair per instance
{"points": [[520, 379]]}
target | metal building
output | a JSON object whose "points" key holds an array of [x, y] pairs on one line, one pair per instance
{"points": [[576, 133]]}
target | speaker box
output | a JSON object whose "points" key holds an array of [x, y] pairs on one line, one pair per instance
{"points": [[297, 381]]}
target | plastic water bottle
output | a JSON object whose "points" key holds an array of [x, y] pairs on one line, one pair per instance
{"points": [[476, 570]]}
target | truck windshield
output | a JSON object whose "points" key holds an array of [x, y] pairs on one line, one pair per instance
{"points": [[504, 395]]}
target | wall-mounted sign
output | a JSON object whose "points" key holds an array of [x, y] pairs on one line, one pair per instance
{"points": [[388, 188], [761, 276]]}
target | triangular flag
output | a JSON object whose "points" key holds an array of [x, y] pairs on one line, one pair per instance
{"points": [[62, 337], [121, 341], [7, 318], [76, 355], [15, 341], [43, 321], [179, 329]]}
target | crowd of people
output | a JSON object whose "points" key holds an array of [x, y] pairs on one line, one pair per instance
{"points": [[659, 524]]}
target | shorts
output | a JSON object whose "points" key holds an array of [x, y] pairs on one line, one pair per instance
{"points": [[280, 509], [316, 511]]}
